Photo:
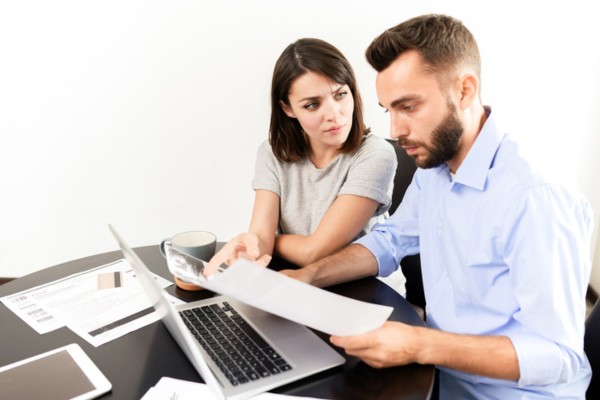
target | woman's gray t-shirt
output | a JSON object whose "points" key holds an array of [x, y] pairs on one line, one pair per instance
{"points": [[307, 192]]}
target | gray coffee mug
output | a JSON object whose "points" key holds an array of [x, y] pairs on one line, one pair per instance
{"points": [[199, 244]]}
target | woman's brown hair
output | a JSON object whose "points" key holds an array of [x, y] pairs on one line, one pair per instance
{"points": [[286, 136]]}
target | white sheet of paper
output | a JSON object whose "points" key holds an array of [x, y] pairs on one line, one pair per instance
{"points": [[297, 301], [171, 388], [97, 315], [114, 322]]}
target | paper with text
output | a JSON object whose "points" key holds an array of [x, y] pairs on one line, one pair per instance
{"points": [[297, 301], [97, 314]]}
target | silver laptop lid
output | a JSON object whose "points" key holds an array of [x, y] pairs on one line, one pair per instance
{"points": [[169, 315]]}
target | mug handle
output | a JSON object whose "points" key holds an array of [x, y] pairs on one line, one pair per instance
{"points": [[161, 246]]}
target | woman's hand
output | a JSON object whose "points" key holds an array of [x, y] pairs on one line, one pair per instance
{"points": [[245, 245]]}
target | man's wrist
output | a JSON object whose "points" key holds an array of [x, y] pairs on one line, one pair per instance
{"points": [[423, 352], [307, 274]]}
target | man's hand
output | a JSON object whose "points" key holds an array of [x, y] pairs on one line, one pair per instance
{"points": [[395, 343], [392, 344], [245, 245]]}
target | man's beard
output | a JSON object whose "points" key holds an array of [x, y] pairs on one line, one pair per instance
{"points": [[444, 141]]}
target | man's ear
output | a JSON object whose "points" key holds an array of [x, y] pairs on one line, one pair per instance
{"points": [[469, 87], [287, 110]]}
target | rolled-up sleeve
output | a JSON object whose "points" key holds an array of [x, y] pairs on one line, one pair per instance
{"points": [[549, 267]]}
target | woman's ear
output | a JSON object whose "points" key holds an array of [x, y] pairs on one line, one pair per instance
{"points": [[287, 109]]}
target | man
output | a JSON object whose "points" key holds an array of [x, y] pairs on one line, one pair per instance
{"points": [[505, 253]]}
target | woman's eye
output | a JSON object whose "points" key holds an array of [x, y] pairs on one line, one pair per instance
{"points": [[341, 95], [311, 106]]}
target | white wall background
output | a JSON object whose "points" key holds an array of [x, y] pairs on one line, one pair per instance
{"points": [[147, 114]]}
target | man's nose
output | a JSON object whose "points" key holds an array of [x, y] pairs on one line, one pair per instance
{"points": [[398, 128]]}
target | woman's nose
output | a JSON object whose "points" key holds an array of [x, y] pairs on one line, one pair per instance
{"points": [[332, 109]]}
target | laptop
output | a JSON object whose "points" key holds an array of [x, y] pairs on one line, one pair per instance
{"points": [[238, 350]]}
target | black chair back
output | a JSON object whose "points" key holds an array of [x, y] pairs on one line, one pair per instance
{"points": [[410, 265], [592, 350], [404, 173]]}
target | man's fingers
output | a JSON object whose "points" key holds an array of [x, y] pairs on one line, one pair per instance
{"points": [[351, 343]]}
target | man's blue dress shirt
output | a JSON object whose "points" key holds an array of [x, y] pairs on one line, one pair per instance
{"points": [[503, 252]]}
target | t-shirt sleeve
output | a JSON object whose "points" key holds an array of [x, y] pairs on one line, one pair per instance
{"points": [[266, 176], [372, 172]]}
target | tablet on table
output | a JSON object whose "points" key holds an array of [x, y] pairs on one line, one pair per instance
{"points": [[63, 373]]}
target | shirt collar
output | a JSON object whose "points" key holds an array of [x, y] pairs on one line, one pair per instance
{"points": [[474, 169]]}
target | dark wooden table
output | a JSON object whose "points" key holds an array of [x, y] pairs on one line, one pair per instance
{"points": [[136, 361]]}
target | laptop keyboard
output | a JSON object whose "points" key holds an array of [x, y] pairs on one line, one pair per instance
{"points": [[237, 349]]}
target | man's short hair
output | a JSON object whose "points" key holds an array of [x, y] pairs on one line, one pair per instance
{"points": [[443, 42]]}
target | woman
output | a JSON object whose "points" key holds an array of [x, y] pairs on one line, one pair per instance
{"points": [[321, 180]]}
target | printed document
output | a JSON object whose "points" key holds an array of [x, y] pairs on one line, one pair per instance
{"points": [[100, 304]]}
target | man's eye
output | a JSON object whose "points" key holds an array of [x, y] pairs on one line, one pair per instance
{"points": [[409, 108]]}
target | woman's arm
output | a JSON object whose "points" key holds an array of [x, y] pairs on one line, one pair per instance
{"points": [[265, 218], [341, 223], [367, 184], [257, 243]]}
